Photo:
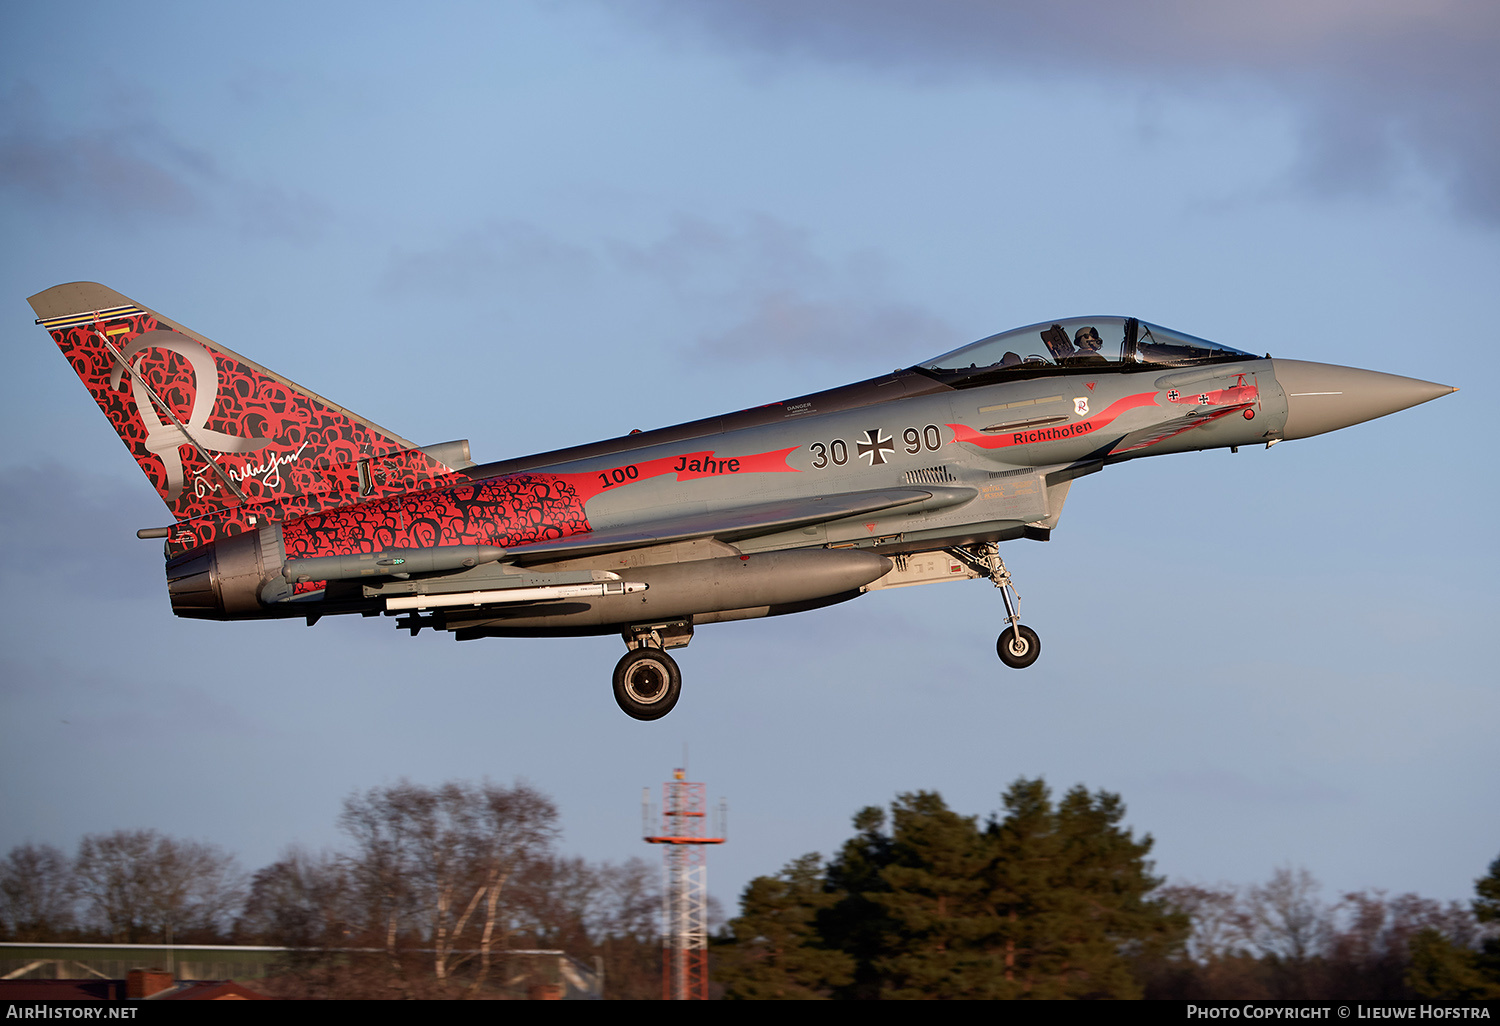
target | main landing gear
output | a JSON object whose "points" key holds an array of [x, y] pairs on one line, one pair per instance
{"points": [[647, 680], [1018, 645], [647, 683]]}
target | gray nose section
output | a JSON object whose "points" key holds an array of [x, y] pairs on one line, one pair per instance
{"points": [[1321, 397]]}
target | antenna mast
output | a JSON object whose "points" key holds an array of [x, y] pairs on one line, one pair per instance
{"points": [[684, 832]]}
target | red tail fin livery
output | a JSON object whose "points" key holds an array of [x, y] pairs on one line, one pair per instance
{"points": [[227, 443]]}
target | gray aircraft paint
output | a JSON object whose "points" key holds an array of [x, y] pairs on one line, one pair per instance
{"points": [[940, 462]]}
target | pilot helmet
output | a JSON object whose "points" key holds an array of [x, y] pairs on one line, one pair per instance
{"points": [[1088, 338]]}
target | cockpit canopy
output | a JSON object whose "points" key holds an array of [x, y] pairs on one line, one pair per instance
{"points": [[1053, 347]]}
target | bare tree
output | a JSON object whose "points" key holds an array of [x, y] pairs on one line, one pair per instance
{"points": [[304, 900], [519, 826], [439, 861], [631, 906], [610, 910], [139, 883], [36, 893], [627, 928], [1286, 918], [443, 827], [379, 868], [1282, 940], [1219, 922], [562, 898], [1369, 951]]}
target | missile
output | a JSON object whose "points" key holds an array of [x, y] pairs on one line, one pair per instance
{"points": [[507, 595]]}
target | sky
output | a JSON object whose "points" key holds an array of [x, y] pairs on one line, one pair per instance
{"points": [[534, 225]]}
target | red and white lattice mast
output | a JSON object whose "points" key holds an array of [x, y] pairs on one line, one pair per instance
{"points": [[684, 832]]}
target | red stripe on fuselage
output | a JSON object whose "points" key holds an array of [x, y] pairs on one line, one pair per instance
{"points": [[1207, 418], [688, 466], [517, 509], [964, 433]]}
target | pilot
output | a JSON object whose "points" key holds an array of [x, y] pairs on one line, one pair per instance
{"points": [[1088, 343]]}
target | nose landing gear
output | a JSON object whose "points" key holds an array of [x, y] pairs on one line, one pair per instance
{"points": [[1018, 645]]}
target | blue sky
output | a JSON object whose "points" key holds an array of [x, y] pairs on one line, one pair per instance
{"points": [[533, 225]]}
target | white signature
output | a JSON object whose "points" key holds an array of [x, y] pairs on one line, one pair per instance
{"points": [[269, 472]]}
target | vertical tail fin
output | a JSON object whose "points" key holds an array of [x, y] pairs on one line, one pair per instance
{"points": [[226, 442]]}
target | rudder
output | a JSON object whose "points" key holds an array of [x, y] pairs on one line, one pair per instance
{"points": [[227, 443]]}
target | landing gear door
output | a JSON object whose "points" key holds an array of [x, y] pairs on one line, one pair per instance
{"points": [[1019, 495]]}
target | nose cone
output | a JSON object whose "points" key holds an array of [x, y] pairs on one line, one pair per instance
{"points": [[1321, 397]]}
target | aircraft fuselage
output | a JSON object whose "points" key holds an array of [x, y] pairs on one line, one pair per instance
{"points": [[286, 505]]}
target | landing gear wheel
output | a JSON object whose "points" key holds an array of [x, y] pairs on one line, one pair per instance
{"points": [[1018, 653], [647, 683]]}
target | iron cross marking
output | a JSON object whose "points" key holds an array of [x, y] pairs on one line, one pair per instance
{"points": [[876, 445]]}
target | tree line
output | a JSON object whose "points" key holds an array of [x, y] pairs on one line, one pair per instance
{"points": [[1057, 900], [434, 887], [1047, 898]]}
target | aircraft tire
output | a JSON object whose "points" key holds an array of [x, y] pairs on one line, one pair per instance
{"points": [[647, 683], [1018, 654]]}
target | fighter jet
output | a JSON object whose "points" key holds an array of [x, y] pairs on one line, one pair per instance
{"points": [[287, 505]]}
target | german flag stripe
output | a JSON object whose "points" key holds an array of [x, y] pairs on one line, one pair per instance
{"points": [[90, 317]]}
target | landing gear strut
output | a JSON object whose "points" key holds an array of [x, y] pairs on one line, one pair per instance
{"points": [[1018, 645], [647, 680]]}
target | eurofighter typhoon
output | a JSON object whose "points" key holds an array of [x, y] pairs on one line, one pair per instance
{"points": [[287, 505]]}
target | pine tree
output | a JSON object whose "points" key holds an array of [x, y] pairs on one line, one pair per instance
{"points": [[940, 922], [1027, 854], [1070, 888], [1447, 971], [857, 923], [778, 953], [1487, 910], [1046, 902]]}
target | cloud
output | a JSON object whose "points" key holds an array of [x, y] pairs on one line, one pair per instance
{"points": [[127, 168], [496, 254], [271, 212], [1379, 85], [757, 289], [781, 298], [76, 533], [787, 324], [118, 170], [96, 173]]}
